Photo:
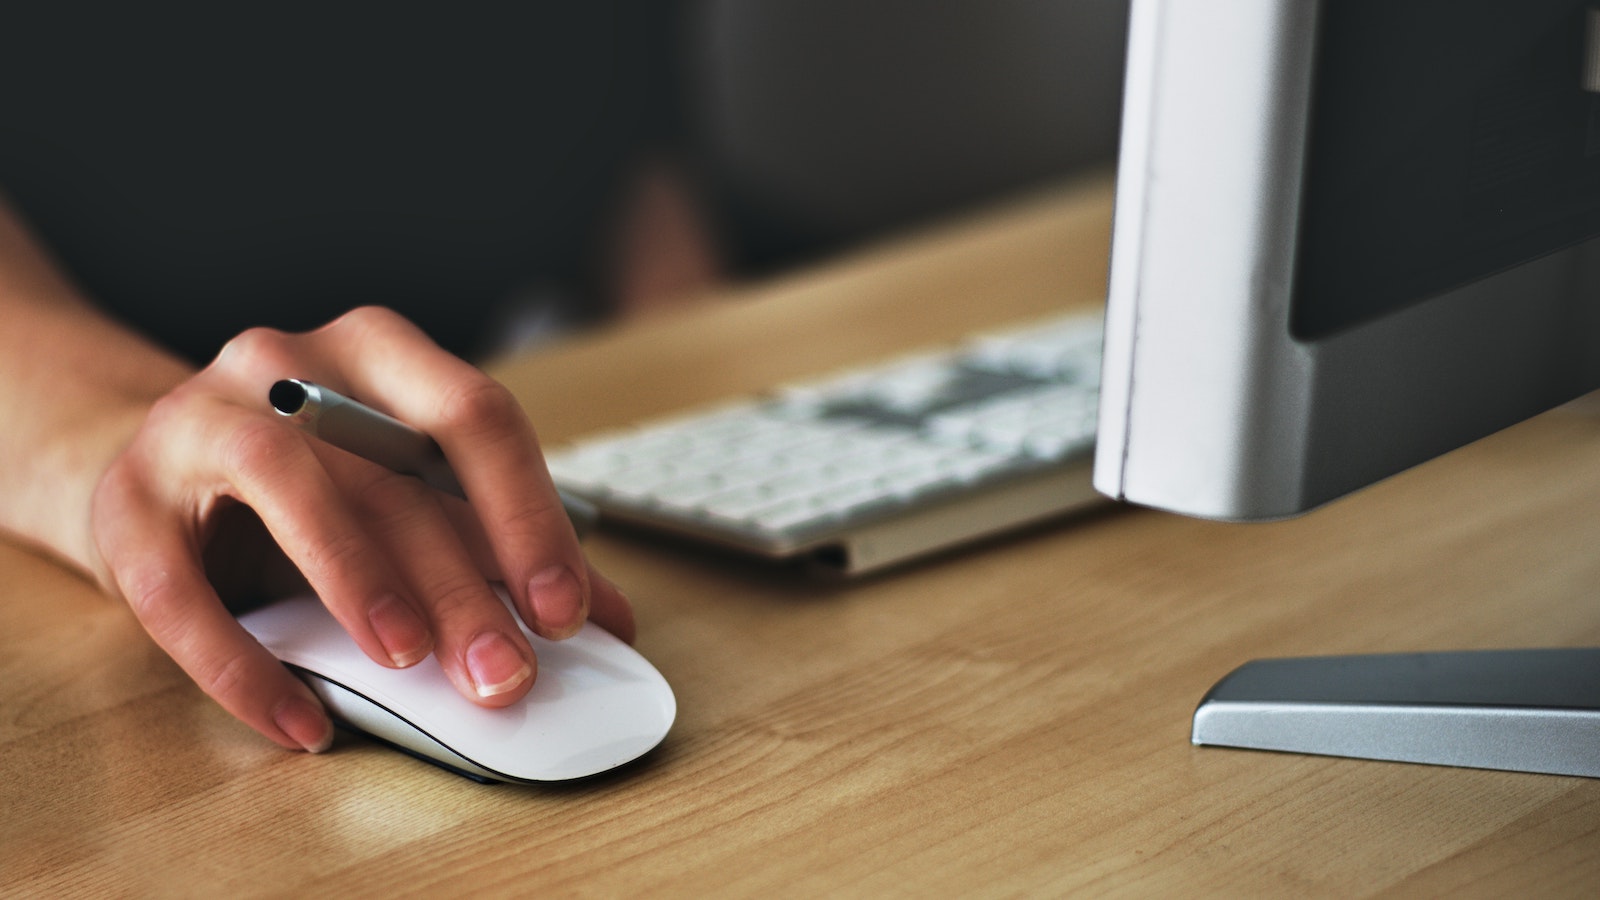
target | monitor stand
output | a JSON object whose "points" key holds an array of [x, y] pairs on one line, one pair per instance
{"points": [[1521, 710]]}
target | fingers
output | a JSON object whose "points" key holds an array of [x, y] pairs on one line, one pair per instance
{"points": [[226, 450], [168, 593], [479, 645], [609, 608], [375, 546], [406, 571], [492, 448]]}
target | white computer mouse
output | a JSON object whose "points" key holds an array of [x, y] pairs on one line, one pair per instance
{"points": [[595, 704]]}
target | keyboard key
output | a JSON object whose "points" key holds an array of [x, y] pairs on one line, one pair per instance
{"points": [[816, 457]]}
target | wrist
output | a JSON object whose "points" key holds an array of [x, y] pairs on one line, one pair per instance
{"points": [[70, 469], [78, 387], [69, 421]]}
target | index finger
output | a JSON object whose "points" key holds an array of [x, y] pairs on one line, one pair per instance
{"points": [[492, 447]]}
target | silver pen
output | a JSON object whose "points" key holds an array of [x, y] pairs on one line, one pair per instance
{"points": [[357, 428]]}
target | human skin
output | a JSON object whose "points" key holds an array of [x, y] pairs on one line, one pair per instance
{"points": [[171, 485]]}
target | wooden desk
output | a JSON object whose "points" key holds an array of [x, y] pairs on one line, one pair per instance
{"points": [[1012, 719]]}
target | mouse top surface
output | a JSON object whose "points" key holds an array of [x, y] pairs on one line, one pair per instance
{"points": [[595, 704]]}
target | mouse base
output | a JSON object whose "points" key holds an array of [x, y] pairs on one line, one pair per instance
{"points": [[352, 730]]}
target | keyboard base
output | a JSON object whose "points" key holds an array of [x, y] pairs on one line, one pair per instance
{"points": [[882, 544]]}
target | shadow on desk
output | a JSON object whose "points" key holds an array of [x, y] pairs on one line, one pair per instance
{"points": [[810, 579], [1012, 719]]}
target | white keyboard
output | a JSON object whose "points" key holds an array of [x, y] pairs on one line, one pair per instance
{"points": [[872, 466]]}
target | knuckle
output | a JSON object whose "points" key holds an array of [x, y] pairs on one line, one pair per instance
{"points": [[371, 314], [338, 553], [169, 412], [255, 349], [453, 597], [531, 520], [367, 319], [225, 677], [152, 594], [161, 607], [480, 405], [395, 497], [260, 447]]}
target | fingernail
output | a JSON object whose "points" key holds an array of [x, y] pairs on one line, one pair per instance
{"points": [[403, 634], [557, 600], [496, 664], [305, 723]]}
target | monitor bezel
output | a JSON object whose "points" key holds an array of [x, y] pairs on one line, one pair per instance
{"points": [[1210, 405]]}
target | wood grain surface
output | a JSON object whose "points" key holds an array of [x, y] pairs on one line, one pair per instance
{"points": [[1011, 719]]}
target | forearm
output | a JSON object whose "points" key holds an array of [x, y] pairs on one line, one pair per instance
{"points": [[74, 386]]}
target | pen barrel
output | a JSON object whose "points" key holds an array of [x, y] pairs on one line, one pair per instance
{"points": [[357, 428], [389, 442], [372, 435]]}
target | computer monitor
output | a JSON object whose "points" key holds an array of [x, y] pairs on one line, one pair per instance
{"points": [[1351, 236]]}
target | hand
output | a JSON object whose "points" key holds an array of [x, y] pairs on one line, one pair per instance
{"points": [[404, 569]]}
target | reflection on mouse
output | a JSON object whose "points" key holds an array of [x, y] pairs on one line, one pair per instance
{"points": [[595, 704]]}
